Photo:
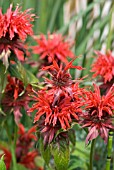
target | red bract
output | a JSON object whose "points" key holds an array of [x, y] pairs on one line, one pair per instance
{"points": [[54, 46], [15, 97], [98, 115], [14, 26], [104, 66]]}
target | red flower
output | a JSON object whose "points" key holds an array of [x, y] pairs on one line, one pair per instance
{"points": [[58, 105], [28, 160], [24, 144], [25, 152], [14, 25], [53, 47], [61, 78], [15, 97], [59, 113], [104, 66], [99, 111]]}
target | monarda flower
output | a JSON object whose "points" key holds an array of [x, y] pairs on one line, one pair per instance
{"points": [[58, 105], [15, 97], [61, 79], [104, 66], [56, 115], [53, 47], [14, 26], [98, 113]]}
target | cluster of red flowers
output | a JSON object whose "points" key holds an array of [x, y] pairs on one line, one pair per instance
{"points": [[25, 152], [59, 103], [14, 26]]}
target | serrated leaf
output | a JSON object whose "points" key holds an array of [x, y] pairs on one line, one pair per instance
{"points": [[2, 164], [45, 152], [61, 155]]}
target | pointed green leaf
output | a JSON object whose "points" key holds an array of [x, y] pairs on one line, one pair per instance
{"points": [[21, 73], [61, 155], [45, 151], [21, 167], [72, 136], [2, 164], [3, 77]]}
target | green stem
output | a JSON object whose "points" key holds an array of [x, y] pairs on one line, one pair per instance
{"points": [[109, 150], [92, 154], [13, 158], [12, 144]]}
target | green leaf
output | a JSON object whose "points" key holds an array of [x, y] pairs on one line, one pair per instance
{"points": [[72, 136], [45, 151], [60, 153], [3, 77], [21, 73], [2, 164], [21, 167], [54, 15]]}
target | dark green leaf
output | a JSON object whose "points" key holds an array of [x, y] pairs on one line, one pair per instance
{"points": [[72, 136]]}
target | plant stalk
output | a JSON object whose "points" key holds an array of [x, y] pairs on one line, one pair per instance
{"points": [[109, 150], [92, 154]]}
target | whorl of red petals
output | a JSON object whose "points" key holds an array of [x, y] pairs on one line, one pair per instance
{"points": [[104, 66], [54, 46]]}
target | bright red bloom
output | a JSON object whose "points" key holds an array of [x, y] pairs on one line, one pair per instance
{"points": [[53, 47], [16, 23], [99, 111], [14, 26], [58, 105], [104, 66], [15, 97], [59, 113], [61, 78]]}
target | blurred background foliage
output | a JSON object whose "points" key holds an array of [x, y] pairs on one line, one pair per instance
{"points": [[90, 24]]}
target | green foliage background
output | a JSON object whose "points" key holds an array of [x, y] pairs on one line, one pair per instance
{"points": [[51, 19]]}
